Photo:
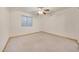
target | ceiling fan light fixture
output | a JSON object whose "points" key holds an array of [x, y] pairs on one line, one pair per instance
{"points": [[40, 12], [43, 11]]}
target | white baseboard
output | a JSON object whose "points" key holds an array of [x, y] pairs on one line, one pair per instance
{"points": [[54, 33], [22, 34], [16, 35], [4, 45], [64, 35]]}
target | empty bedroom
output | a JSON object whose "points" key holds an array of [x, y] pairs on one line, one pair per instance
{"points": [[39, 29]]}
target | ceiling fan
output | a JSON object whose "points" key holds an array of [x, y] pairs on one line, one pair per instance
{"points": [[43, 11], [49, 11]]}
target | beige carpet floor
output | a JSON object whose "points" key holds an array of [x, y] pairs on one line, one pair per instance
{"points": [[41, 42]]}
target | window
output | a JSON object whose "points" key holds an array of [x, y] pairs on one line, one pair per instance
{"points": [[26, 21]]}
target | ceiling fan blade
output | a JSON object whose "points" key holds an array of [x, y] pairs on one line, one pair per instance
{"points": [[44, 13], [47, 10]]}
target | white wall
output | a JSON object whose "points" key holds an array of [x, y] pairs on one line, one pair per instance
{"points": [[64, 23], [17, 29], [4, 27]]}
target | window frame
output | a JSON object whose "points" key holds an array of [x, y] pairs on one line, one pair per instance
{"points": [[22, 21]]}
